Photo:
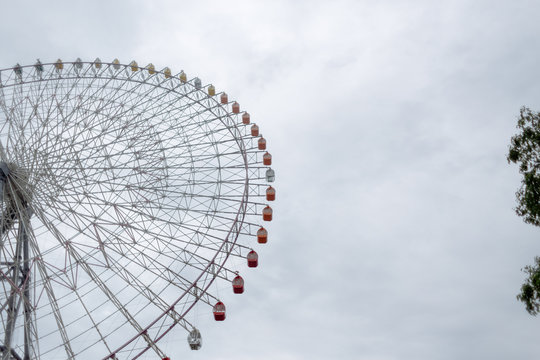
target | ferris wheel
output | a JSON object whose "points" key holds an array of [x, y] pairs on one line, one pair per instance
{"points": [[125, 192]]}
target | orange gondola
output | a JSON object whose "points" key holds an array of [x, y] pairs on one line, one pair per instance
{"points": [[270, 194], [235, 107], [245, 118], [262, 236], [224, 98], [267, 159], [262, 143], [254, 130], [267, 213]]}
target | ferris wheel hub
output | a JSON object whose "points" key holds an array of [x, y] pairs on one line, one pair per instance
{"points": [[17, 177]]}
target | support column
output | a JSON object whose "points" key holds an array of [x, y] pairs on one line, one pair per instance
{"points": [[16, 208]]}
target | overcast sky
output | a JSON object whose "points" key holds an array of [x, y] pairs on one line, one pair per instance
{"points": [[389, 121]]}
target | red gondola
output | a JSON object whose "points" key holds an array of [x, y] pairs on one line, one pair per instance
{"points": [[219, 311], [252, 259], [238, 285]]}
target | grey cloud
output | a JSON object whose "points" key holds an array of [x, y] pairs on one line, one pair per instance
{"points": [[394, 235]]}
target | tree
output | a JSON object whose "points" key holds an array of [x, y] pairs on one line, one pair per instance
{"points": [[530, 294], [525, 151]]}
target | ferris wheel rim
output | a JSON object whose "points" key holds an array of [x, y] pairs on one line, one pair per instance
{"points": [[224, 251]]}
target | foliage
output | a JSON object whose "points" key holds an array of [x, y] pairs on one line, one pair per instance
{"points": [[530, 290], [525, 151]]}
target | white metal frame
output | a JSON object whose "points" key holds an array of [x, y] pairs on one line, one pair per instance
{"points": [[130, 191]]}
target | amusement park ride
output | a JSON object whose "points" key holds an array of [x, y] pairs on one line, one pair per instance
{"points": [[124, 193]]}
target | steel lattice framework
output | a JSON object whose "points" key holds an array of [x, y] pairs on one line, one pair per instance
{"points": [[125, 190]]}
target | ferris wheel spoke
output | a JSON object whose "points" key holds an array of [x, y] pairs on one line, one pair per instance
{"points": [[146, 291], [49, 291], [94, 323], [172, 254], [123, 219], [105, 289], [191, 259]]}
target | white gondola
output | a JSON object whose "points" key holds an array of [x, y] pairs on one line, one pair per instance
{"points": [[39, 67], [270, 175], [18, 71], [197, 83], [194, 339], [78, 64]]}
